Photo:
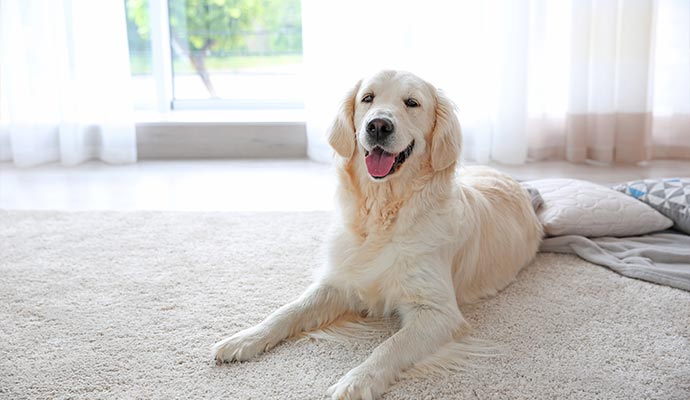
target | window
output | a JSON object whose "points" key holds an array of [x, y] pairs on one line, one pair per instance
{"points": [[192, 54]]}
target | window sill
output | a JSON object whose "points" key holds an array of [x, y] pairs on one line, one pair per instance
{"points": [[225, 134]]}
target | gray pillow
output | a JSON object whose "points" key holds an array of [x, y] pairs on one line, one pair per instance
{"points": [[575, 207], [534, 196], [669, 196]]}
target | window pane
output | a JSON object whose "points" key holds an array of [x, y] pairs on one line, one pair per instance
{"points": [[139, 37], [241, 50]]}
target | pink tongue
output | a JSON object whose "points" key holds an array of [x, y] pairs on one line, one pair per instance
{"points": [[379, 163]]}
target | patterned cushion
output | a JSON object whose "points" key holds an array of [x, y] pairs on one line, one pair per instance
{"points": [[669, 196]]}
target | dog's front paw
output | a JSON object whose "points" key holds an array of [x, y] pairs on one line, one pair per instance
{"points": [[359, 384], [240, 346]]}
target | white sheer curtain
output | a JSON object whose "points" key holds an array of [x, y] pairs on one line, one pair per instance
{"points": [[535, 79], [64, 82]]}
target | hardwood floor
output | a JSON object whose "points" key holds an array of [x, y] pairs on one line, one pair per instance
{"points": [[235, 185]]}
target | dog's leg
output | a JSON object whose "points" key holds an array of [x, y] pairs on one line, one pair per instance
{"points": [[425, 328], [317, 306]]}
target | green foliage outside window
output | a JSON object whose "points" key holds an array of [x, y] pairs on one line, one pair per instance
{"points": [[221, 32]]}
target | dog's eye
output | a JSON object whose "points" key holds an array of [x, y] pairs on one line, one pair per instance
{"points": [[368, 98], [411, 103]]}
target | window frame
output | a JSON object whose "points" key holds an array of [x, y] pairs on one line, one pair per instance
{"points": [[161, 54]]}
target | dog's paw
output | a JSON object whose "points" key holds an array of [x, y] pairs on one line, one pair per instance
{"points": [[240, 346], [359, 384]]}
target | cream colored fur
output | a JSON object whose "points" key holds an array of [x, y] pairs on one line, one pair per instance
{"points": [[417, 243]]}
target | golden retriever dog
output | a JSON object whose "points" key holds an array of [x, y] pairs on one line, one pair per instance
{"points": [[417, 237]]}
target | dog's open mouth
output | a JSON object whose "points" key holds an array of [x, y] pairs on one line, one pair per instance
{"points": [[381, 163]]}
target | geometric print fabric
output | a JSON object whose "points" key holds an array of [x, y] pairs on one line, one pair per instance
{"points": [[669, 196]]}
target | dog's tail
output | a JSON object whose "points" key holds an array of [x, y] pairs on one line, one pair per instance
{"points": [[463, 353]]}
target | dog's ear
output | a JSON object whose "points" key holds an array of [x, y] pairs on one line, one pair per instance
{"points": [[446, 138], [341, 134]]}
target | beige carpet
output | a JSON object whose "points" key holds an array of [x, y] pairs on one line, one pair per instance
{"points": [[126, 305]]}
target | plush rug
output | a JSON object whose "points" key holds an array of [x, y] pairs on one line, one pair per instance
{"points": [[126, 305]]}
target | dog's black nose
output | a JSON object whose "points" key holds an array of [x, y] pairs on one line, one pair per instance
{"points": [[380, 128]]}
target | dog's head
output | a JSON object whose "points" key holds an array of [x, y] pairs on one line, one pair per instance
{"points": [[394, 119]]}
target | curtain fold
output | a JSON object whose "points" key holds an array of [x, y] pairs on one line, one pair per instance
{"points": [[579, 80], [64, 82]]}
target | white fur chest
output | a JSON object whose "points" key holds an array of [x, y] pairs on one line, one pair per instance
{"points": [[380, 274]]}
